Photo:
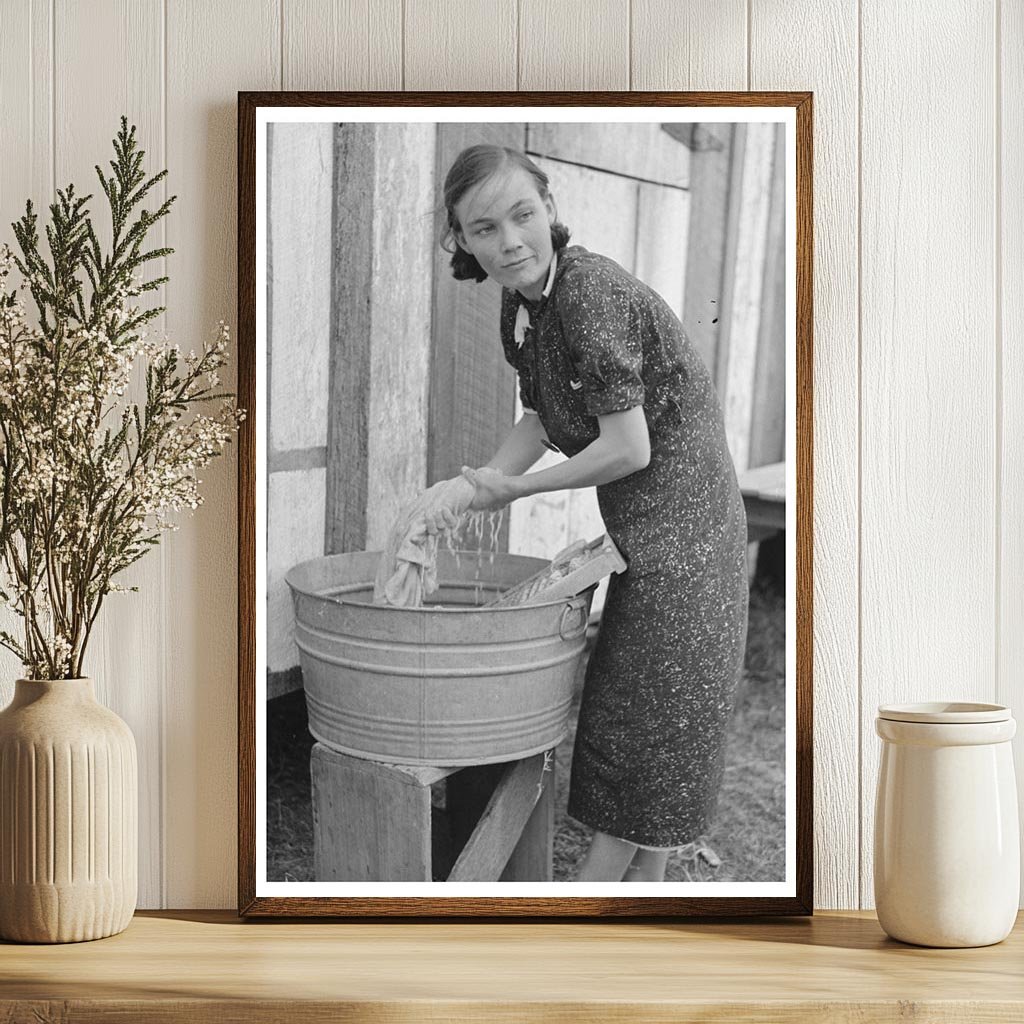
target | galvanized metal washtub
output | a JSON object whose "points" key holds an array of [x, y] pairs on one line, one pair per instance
{"points": [[450, 683]]}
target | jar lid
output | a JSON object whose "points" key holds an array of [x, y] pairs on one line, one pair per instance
{"points": [[945, 712]]}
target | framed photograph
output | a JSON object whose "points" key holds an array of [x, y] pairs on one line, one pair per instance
{"points": [[525, 491]]}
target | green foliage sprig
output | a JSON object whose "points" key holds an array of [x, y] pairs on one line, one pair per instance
{"points": [[89, 478]]}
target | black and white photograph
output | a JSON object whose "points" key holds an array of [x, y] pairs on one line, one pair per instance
{"points": [[525, 477]]}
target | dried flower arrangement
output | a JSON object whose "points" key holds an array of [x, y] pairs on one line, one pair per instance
{"points": [[89, 478]]}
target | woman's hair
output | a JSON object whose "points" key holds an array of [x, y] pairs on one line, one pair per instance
{"points": [[472, 166]]}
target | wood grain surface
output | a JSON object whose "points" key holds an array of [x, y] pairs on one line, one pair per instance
{"points": [[208, 966], [928, 596], [1010, 369], [832, 71]]}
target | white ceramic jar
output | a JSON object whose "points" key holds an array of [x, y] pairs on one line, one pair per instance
{"points": [[947, 846]]}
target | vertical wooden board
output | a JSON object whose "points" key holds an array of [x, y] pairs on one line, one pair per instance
{"points": [[467, 793], [533, 858], [827, 64], [371, 822], [128, 667], [599, 209], [707, 283], [768, 414], [1010, 317], [212, 52], [466, 45], [403, 259], [299, 308], [489, 848], [574, 44], [342, 44], [472, 388], [928, 516], [663, 223], [26, 84], [295, 526], [701, 44], [748, 270], [350, 338]]}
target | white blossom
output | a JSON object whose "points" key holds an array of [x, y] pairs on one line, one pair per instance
{"points": [[81, 506]]}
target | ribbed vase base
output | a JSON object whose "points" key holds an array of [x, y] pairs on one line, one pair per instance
{"points": [[63, 913]]}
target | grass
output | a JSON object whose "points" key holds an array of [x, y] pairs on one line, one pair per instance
{"points": [[745, 844]]}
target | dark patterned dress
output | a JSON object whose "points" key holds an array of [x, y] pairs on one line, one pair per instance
{"points": [[660, 685]]}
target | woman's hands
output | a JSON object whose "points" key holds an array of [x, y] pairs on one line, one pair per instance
{"points": [[437, 520], [494, 490]]}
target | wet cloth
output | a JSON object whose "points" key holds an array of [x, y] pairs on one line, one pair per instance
{"points": [[660, 685], [407, 570]]}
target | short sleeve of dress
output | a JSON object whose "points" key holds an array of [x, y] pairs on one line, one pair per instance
{"points": [[602, 329]]}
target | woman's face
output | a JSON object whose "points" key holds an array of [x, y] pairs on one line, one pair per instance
{"points": [[506, 225]]}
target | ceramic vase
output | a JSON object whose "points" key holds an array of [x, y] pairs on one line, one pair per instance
{"points": [[68, 815], [947, 846]]}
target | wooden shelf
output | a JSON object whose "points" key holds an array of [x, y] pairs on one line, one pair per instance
{"points": [[208, 966]]}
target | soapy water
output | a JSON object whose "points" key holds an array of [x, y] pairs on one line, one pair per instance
{"points": [[479, 530]]}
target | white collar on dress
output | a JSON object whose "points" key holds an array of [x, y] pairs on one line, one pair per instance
{"points": [[551, 274], [523, 315]]}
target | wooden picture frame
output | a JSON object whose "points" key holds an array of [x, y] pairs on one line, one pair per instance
{"points": [[786, 309]]}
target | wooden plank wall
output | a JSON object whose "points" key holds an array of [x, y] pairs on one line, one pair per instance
{"points": [[919, 228], [300, 191]]}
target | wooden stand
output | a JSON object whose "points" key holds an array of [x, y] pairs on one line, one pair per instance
{"points": [[375, 822]]}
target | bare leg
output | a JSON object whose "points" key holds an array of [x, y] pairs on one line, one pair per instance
{"points": [[606, 859], [647, 866]]}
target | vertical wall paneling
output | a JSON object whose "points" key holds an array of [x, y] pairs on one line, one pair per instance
{"points": [[213, 50], [26, 109], [128, 668], [26, 102], [663, 225], [767, 415], [381, 328], [302, 174], [753, 201], [350, 326], [295, 519], [928, 515], [701, 44], [299, 250], [466, 45], [403, 258], [600, 209], [707, 285], [342, 44], [574, 44], [824, 60], [1010, 260]]}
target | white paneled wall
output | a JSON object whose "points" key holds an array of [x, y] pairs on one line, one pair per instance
{"points": [[919, 302]]}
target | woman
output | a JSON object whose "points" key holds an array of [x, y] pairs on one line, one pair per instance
{"points": [[608, 377]]}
